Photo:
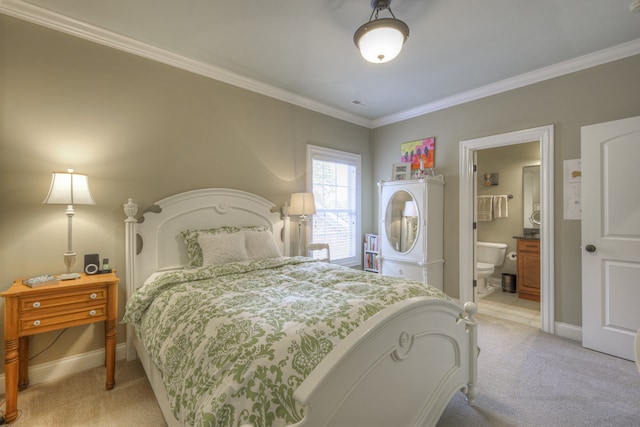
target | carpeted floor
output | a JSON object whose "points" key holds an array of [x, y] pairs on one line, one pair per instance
{"points": [[526, 378], [81, 400]]}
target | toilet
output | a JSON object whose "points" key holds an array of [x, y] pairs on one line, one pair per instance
{"points": [[488, 256]]}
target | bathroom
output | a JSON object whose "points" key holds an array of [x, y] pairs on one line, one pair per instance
{"points": [[501, 172]]}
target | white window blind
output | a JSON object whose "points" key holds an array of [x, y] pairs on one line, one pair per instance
{"points": [[335, 184]]}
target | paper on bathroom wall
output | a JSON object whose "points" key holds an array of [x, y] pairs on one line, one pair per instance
{"points": [[572, 189]]}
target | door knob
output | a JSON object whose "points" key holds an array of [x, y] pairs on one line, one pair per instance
{"points": [[590, 248]]}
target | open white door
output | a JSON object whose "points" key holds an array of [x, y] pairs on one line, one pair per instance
{"points": [[611, 236]]}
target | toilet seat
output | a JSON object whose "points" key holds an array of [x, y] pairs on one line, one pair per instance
{"points": [[483, 266]]}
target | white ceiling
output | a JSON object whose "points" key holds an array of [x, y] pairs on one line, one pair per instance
{"points": [[302, 51]]}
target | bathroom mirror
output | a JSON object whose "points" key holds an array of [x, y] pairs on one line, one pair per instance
{"points": [[401, 221], [531, 199]]}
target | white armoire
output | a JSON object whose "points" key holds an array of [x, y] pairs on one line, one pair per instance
{"points": [[411, 229]]}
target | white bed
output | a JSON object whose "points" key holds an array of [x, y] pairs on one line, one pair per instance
{"points": [[385, 356]]}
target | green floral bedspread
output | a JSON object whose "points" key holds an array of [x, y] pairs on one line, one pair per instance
{"points": [[233, 342]]}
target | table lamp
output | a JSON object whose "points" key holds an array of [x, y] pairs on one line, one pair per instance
{"points": [[69, 188]]}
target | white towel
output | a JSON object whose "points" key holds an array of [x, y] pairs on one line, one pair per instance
{"points": [[485, 208], [500, 207]]}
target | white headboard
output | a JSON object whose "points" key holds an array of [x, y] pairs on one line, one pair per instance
{"points": [[154, 242]]}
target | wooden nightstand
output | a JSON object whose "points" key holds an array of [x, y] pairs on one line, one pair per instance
{"points": [[29, 311]]}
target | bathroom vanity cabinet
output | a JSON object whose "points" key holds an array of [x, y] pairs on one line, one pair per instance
{"points": [[411, 237], [528, 284]]}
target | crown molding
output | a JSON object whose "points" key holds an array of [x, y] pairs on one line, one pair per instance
{"points": [[46, 18], [37, 15], [604, 56]]}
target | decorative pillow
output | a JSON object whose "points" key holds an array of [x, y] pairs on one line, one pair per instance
{"points": [[194, 252], [222, 248], [260, 245], [191, 241]]}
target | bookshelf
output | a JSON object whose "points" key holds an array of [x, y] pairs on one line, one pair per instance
{"points": [[371, 252]]}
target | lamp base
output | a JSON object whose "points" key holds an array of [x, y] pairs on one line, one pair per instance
{"points": [[69, 260], [301, 222]]}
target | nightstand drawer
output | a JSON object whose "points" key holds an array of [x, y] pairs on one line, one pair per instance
{"points": [[59, 318], [43, 302]]}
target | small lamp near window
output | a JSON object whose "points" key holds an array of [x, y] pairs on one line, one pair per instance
{"points": [[302, 204], [69, 188]]}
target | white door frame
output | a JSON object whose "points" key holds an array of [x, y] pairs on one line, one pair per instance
{"points": [[544, 135]]}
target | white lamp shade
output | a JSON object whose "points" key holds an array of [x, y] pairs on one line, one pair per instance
{"points": [[302, 204], [69, 188], [410, 209]]}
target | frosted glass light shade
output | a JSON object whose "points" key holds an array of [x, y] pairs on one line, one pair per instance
{"points": [[302, 204], [381, 40], [69, 188]]}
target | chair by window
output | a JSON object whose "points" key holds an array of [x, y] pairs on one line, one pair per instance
{"points": [[318, 247]]}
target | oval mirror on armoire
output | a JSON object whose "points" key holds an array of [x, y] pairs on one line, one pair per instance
{"points": [[401, 221]]}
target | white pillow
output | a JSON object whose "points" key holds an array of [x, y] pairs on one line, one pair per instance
{"points": [[191, 239], [260, 245], [222, 248]]}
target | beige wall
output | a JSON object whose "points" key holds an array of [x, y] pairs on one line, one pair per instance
{"points": [[600, 94], [139, 129]]}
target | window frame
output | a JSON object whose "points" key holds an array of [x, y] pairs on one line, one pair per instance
{"points": [[343, 157]]}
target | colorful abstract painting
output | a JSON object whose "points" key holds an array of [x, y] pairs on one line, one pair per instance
{"points": [[414, 151]]}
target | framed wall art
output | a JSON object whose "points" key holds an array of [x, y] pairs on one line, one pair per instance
{"points": [[421, 154]]}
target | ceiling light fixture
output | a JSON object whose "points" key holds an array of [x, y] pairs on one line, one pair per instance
{"points": [[381, 39]]}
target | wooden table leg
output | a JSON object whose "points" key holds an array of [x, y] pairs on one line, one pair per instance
{"points": [[11, 358], [23, 371], [110, 352], [11, 379], [110, 330]]}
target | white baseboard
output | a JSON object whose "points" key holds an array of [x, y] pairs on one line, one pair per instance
{"points": [[566, 330], [69, 365]]}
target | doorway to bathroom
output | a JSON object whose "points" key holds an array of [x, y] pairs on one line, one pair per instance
{"points": [[469, 180], [508, 194]]}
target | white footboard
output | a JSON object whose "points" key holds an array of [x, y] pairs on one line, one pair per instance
{"points": [[400, 368]]}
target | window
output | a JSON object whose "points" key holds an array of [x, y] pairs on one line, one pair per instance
{"points": [[335, 184]]}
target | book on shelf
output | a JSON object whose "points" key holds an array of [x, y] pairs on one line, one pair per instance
{"points": [[371, 242], [371, 262]]}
